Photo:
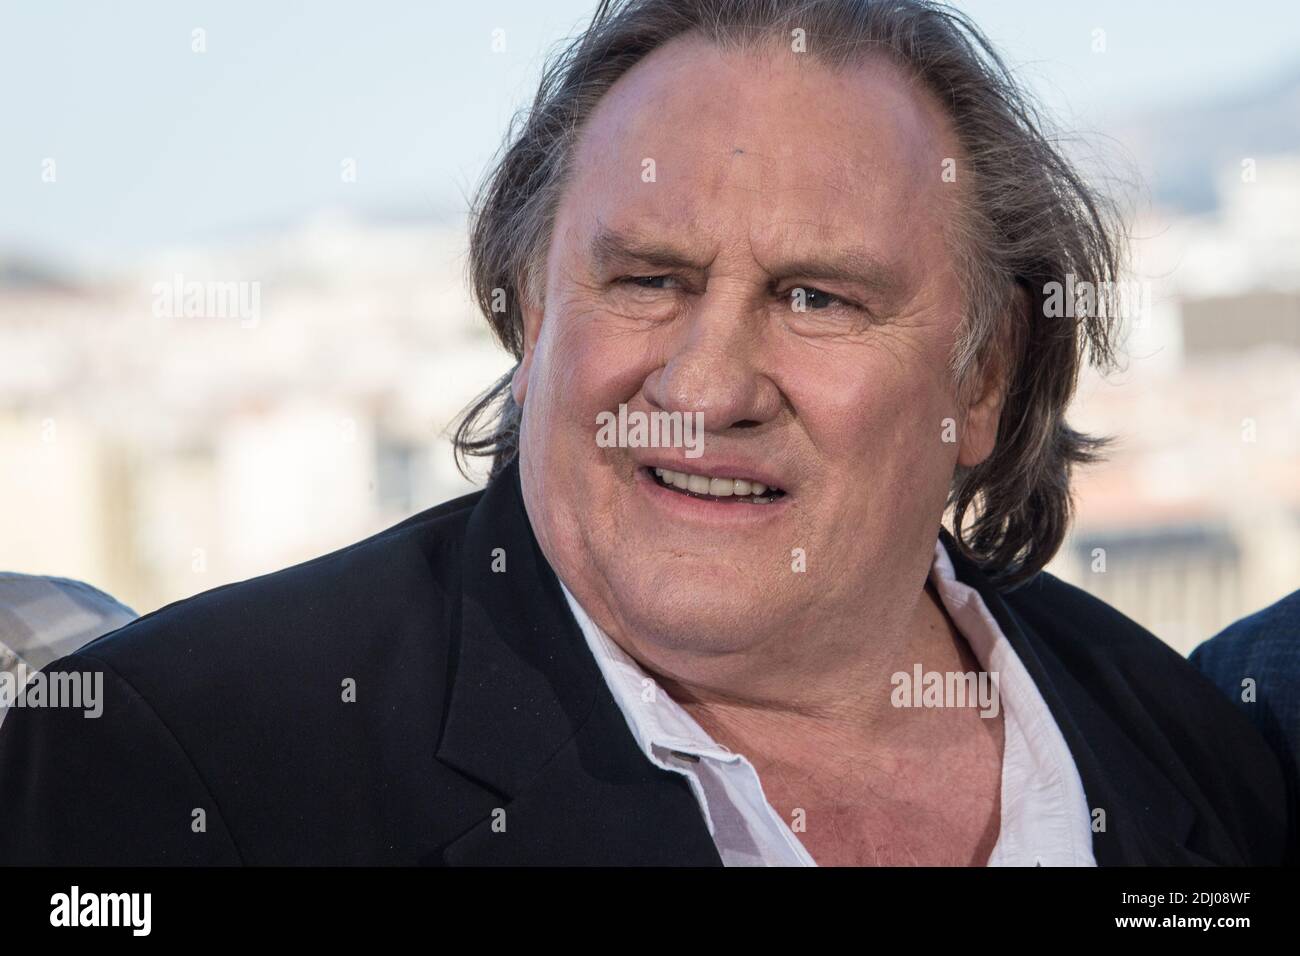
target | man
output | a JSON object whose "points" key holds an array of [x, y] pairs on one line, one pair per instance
{"points": [[1256, 662], [809, 246]]}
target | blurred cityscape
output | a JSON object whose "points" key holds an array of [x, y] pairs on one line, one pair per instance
{"points": [[159, 455], [1193, 520], [157, 450]]}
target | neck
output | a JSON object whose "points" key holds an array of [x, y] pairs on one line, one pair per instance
{"points": [[836, 700]]}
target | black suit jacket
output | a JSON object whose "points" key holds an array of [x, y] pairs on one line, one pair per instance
{"points": [[482, 731]]}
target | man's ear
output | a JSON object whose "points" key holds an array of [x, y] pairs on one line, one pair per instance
{"points": [[979, 435], [532, 315]]}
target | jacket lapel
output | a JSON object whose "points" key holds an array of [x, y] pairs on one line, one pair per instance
{"points": [[531, 720], [1147, 819], [597, 802]]}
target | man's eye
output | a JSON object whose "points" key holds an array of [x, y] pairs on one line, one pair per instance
{"points": [[648, 282], [808, 299]]}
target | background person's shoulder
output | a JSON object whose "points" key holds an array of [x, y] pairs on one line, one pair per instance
{"points": [[1267, 641], [43, 617], [1255, 662]]}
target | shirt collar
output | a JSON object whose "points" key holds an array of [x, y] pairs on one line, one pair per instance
{"points": [[655, 719]]}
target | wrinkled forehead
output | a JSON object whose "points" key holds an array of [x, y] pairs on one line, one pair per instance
{"points": [[769, 139]]}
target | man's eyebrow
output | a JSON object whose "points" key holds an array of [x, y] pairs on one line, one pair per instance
{"points": [[614, 247], [611, 247], [845, 265]]}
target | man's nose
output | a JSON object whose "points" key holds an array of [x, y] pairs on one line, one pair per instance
{"points": [[713, 365]]}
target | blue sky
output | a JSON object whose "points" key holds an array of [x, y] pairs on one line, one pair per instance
{"points": [[155, 145]]}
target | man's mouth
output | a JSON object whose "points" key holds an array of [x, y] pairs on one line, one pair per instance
{"points": [[722, 490]]}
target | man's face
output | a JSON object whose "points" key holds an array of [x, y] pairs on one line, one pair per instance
{"points": [[708, 188]]}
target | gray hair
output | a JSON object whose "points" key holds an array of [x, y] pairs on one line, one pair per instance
{"points": [[1028, 224]]}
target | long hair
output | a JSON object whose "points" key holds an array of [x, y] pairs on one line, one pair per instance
{"points": [[1028, 226]]}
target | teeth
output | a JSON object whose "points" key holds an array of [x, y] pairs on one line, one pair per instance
{"points": [[717, 487]]}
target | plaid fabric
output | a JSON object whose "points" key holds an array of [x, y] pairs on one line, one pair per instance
{"points": [[43, 618]]}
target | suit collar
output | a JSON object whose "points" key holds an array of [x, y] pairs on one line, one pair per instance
{"points": [[524, 682], [531, 720]]}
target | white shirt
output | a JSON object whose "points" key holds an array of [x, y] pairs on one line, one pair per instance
{"points": [[1044, 814]]}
